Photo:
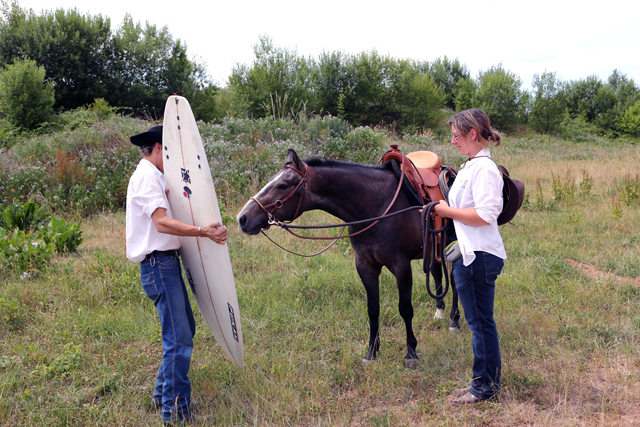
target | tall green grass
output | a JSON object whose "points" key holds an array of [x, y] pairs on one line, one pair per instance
{"points": [[80, 343]]}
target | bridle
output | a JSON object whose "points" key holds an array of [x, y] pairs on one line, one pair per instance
{"points": [[301, 187], [278, 204], [428, 232]]}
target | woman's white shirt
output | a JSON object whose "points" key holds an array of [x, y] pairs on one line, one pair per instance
{"points": [[145, 194], [479, 185]]}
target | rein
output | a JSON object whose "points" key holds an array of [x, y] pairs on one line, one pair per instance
{"points": [[429, 234], [278, 204]]}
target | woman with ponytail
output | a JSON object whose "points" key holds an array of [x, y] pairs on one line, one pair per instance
{"points": [[475, 202]]}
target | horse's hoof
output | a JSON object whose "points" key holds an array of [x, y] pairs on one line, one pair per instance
{"points": [[411, 363], [366, 362], [454, 330], [439, 314]]}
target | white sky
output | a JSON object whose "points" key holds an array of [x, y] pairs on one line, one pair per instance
{"points": [[573, 39]]}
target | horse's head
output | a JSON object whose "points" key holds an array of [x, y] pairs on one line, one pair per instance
{"points": [[279, 200]]}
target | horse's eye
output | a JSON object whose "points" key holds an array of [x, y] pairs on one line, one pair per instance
{"points": [[283, 186]]}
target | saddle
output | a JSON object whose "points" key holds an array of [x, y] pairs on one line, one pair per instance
{"points": [[422, 169]]}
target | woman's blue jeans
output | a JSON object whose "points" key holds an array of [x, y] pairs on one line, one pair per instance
{"points": [[476, 285], [161, 279]]}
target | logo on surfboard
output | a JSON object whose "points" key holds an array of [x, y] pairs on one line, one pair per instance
{"points": [[185, 175], [186, 192], [234, 328]]}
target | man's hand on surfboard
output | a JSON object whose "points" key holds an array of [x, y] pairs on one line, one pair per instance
{"points": [[216, 232]]}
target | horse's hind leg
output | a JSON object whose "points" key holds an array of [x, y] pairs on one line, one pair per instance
{"points": [[404, 279], [436, 273], [370, 277], [454, 316]]}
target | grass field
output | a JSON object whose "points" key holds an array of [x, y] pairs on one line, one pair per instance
{"points": [[80, 342]]}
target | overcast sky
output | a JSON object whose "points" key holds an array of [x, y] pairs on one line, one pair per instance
{"points": [[573, 39]]}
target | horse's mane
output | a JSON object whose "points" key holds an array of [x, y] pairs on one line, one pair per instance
{"points": [[330, 163]]}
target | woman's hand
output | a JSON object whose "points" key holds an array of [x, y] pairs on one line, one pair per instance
{"points": [[440, 209]]}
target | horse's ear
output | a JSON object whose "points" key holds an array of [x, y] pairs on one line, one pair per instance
{"points": [[294, 160]]}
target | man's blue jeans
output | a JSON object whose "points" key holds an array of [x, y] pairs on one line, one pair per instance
{"points": [[476, 285], [161, 279]]}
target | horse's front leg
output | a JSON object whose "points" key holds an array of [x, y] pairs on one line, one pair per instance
{"points": [[404, 280], [370, 276]]}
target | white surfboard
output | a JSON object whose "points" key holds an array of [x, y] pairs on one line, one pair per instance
{"points": [[193, 200]]}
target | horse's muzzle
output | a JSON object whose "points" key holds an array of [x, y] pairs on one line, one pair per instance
{"points": [[251, 225]]}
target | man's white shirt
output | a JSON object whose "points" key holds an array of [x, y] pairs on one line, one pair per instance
{"points": [[145, 194]]}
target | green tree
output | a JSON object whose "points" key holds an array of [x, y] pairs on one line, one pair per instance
{"points": [[627, 95], [74, 49], [368, 99], [499, 95], [446, 73], [581, 97], [466, 93], [149, 66], [626, 90], [277, 77], [135, 68], [547, 109], [25, 98], [629, 121], [330, 82], [417, 100]]}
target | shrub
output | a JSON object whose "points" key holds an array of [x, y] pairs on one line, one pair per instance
{"points": [[499, 95], [63, 236], [29, 237], [629, 121], [360, 145], [25, 98]]}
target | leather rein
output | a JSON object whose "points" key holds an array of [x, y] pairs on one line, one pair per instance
{"points": [[429, 234], [301, 187]]}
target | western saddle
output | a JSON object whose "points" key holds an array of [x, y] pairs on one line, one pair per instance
{"points": [[422, 169]]}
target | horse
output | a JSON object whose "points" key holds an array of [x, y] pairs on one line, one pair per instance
{"points": [[353, 192]]}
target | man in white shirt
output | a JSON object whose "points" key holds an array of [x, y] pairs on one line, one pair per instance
{"points": [[152, 241]]}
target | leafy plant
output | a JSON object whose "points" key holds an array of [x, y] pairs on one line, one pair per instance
{"points": [[11, 314], [548, 103], [68, 361], [27, 217], [563, 188], [586, 185], [64, 236], [21, 252], [630, 191], [29, 236]]}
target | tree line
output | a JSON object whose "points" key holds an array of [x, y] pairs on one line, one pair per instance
{"points": [[133, 67], [370, 89], [62, 60]]}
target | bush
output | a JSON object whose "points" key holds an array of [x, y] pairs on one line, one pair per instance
{"points": [[363, 144], [29, 237], [548, 105], [629, 121], [25, 99], [499, 95]]}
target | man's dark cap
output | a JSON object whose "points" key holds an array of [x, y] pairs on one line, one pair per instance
{"points": [[149, 137]]}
